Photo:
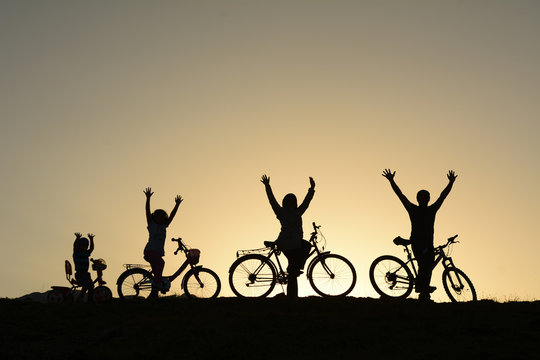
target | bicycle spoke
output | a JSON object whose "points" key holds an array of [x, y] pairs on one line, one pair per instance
{"points": [[252, 277], [458, 286], [332, 276], [390, 277], [203, 283], [134, 283]]}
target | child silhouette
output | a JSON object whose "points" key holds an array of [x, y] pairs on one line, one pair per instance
{"points": [[158, 221], [82, 249]]}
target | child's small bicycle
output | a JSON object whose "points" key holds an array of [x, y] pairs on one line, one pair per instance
{"points": [[199, 282], [64, 294]]}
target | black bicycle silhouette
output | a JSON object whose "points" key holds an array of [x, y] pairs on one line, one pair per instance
{"points": [[199, 282], [391, 277], [64, 294], [254, 274]]}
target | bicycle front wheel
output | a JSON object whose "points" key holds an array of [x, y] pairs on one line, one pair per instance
{"points": [[457, 285], [252, 276], [332, 275], [102, 294], [391, 277], [55, 296], [201, 283], [134, 283]]}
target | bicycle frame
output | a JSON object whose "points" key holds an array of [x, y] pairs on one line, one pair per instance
{"points": [[180, 270], [282, 275], [177, 273], [74, 284], [440, 256]]}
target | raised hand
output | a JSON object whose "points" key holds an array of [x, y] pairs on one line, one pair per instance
{"points": [[452, 176], [312, 182], [265, 179], [91, 236], [148, 192], [78, 235], [387, 173], [178, 199]]}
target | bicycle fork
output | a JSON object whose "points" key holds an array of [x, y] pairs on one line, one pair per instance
{"points": [[196, 275], [448, 263]]}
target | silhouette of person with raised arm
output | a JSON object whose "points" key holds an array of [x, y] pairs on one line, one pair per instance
{"points": [[422, 226], [158, 221], [290, 239], [82, 249]]}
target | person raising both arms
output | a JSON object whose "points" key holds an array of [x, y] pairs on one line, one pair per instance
{"points": [[290, 239], [82, 249], [422, 218], [157, 221]]}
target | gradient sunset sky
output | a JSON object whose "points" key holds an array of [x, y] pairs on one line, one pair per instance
{"points": [[100, 99]]}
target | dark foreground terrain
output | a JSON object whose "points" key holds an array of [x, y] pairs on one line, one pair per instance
{"points": [[231, 328]]}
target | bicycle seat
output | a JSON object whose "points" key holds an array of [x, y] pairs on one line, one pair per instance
{"points": [[270, 244], [401, 241]]}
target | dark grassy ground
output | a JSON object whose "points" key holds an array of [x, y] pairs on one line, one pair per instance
{"points": [[231, 328]]}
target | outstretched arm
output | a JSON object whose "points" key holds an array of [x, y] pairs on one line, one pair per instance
{"points": [[271, 198], [451, 178], [387, 173], [148, 192], [91, 247], [178, 199], [309, 196]]}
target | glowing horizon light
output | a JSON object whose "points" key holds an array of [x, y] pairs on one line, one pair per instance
{"points": [[99, 102]]}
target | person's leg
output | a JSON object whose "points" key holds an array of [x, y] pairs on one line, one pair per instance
{"points": [[156, 262], [420, 283], [292, 287], [90, 286], [425, 259], [304, 253], [428, 263], [81, 295], [85, 282], [293, 269]]}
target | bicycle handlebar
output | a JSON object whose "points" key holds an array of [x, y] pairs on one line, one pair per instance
{"points": [[451, 240], [400, 241], [181, 245]]}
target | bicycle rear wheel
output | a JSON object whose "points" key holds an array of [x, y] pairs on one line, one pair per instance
{"points": [[201, 283], [391, 277], [252, 276], [332, 275], [134, 283], [457, 285]]}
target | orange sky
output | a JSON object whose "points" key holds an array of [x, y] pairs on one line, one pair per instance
{"points": [[99, 100]]}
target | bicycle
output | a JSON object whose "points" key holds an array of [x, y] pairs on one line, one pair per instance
{"points": [[199, 282], [392, 278], [64, 294], [254, 274]]}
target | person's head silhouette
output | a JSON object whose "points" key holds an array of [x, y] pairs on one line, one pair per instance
{"points": [[80, 244], [290, 202], [423, 197], [160, 217]]}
